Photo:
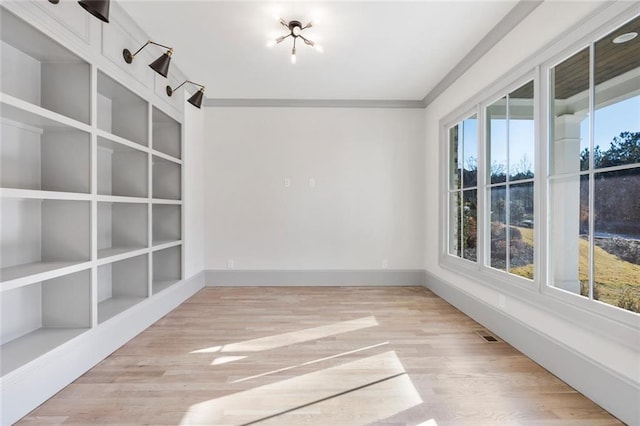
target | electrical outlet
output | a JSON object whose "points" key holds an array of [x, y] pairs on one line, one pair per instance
{"points": [[385, 264], [287, 182], [229, 263], [502, 301]]}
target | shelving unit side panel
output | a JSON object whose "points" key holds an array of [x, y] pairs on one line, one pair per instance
{"points": [[65, 89], [20, 312], [105, 290], [21, 221], [66, 161], [66, 301], [19, 156], [130, 277], [104, 171], [104, 226], [129, 225], [66, 230], [20, 74]]}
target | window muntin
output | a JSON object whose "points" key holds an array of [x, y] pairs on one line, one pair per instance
{"points": [[594, 184], [463, 189], [510, 142]]}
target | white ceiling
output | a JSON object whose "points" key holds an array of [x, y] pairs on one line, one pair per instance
{"points": [[373, 50]]}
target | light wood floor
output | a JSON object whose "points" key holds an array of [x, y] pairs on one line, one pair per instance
{"points": [[317, 356]]}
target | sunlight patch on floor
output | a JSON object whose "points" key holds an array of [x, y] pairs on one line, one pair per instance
{"points": [[356, 392], [293, 337], [225, 359]]}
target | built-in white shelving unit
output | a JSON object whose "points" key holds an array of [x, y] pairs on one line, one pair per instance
{"points": [[90, 190]]}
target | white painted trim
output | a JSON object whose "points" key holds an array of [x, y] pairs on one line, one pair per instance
{"points": [[313, 103], [35, 382], [516, 15], [604, 386], [356, 277]]}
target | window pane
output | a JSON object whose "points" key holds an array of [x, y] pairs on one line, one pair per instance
{"points": [[470, 224], [570, 107], [617, 238], [521, 229], [521, 133], [497, 140], [470, 150], [455, 224], [569, 234], [455, 159], [617, 114], [498, 248]]}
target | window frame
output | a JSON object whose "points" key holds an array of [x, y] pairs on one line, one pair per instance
{"points": [[597, 316]]}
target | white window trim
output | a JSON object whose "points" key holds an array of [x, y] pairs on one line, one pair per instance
{"points": [[616, 323]]}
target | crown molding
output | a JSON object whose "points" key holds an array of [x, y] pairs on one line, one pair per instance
{"points": [[313, 103]]}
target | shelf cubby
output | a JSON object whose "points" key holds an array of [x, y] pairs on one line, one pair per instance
{"points": [[40, 71], [122, 170], [167, 268], [167, 224], [167, 179], [39, 317], [42, 235], [122, 227], [167, 134], [41, 154], [122, 285], [121, 112]]}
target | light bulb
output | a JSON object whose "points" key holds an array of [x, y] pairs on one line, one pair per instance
{"points": [[318, 48], [271, 43], [293, 58]]}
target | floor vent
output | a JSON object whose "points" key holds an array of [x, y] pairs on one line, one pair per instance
{"points": [[487, 336]]}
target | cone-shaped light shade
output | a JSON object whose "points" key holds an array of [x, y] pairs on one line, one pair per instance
{"points": [[98, 8], [161, 65], [196, 99]]}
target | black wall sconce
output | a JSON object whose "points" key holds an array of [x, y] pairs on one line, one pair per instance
{"points": [[98, 8], [196, 99], [160, 65]]}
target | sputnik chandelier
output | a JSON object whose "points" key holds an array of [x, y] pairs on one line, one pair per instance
{"points": [[295, 31]]}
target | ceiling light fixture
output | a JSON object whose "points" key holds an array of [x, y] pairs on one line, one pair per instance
{"points": [[160, 65], [623, 38], [295, 31], [196, 99], [98, 8]]}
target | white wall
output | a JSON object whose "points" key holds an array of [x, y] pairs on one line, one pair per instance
{"points": [[193, 220], [367, 204], [545, 24]]}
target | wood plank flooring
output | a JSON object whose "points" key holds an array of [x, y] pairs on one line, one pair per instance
{"points": [[317, 356]]}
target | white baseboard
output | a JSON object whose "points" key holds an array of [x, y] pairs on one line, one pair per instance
{"points": [[335, 277], [602, 385], [27, 387]]}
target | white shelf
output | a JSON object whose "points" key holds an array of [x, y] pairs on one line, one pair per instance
{"points": [[121, 285], [37, 233], [167, 134], [167, 224], [167, 179], [38, 153], [111, 307], [43, 195], [121, 112], [40, 71], [158, 286], [24, 349], [122, 227], [167, 267], [39, 317], [122, 170]]}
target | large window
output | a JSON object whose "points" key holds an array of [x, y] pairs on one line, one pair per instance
{"points": [[463, 189], [510, 147], [594, 184]]}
